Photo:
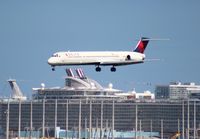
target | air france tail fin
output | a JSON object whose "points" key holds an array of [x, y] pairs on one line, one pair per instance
{"points": [[142, 44]]}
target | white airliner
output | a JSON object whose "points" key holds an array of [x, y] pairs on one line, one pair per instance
{"points": [[101, 58]]}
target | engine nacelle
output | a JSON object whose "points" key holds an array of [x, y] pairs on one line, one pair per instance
{"points": [[128, 57]]}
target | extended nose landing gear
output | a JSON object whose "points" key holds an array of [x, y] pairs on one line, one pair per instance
{"points": [[53, 68], [112, 69]]}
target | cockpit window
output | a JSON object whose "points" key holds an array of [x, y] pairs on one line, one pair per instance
{"points": [[55, 55]]}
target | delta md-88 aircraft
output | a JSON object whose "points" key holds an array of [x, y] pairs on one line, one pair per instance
{"points": [[101, 58]]}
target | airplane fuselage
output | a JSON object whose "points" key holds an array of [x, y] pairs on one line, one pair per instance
{"points": [[97, 58], [115, 58]]}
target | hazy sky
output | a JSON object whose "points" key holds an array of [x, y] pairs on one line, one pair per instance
{"points": [[31, 31]]}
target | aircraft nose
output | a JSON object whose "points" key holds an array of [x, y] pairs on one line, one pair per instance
{"points": [[50, 61]]}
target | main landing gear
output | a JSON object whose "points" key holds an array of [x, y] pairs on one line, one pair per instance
{"points": [[112, 69], [98, 69]]}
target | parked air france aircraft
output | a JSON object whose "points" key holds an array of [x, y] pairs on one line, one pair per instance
{"points": [[101, 58]]}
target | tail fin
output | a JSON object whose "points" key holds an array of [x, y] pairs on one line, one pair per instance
{"points": [[17, 94], [142, 44]]}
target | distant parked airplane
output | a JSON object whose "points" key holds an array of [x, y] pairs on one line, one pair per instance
{"points": [[98, 58]]}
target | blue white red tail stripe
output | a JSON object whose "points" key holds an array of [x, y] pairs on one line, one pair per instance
{"points": [[142, 44]]}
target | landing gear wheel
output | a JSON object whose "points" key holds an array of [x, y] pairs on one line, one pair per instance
{"points": [[113, 69], [98, 69], [53, 69]]}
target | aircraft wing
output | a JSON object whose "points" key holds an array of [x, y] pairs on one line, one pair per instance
{"points": [[117, 62]]}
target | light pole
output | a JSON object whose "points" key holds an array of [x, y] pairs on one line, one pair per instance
{"points": [[19, 125], [136, 119], [183, 121], [7, 112], [194, 119]]}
